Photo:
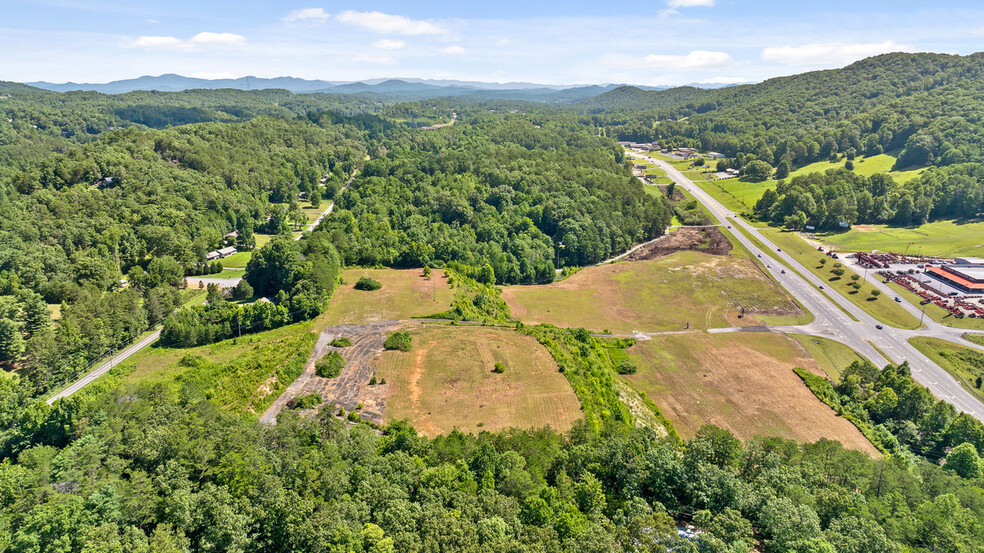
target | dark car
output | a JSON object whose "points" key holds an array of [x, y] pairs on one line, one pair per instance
{"points": [[879, 327]]}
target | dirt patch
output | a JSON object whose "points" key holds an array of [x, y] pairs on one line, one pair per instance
{"points": [[743, 382], [677, 195], [701, 239]]}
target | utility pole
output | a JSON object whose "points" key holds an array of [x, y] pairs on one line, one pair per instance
{"points": [[923, 313]]}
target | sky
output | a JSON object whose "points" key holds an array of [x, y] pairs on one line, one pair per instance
{"points": [[657, 43]]}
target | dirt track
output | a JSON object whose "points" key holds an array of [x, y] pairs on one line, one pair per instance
{"points": [[351, 387], [701, 239]]}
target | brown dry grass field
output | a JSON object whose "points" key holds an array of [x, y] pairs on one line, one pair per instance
{"points": [[740, 381], [446, 382], [664, 294], [405, 294]]}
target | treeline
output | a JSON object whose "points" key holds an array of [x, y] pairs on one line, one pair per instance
{"points": [[901, 417], [825, 200], [292, 279], [928, 106], [516, 192], [150, 470]]}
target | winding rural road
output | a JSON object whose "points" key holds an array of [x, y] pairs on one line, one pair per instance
{"points": [[828, 310]]}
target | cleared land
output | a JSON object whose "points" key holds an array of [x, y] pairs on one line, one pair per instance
{"points": [[882, 308], [446, 382], [832, 356], [743, 382], [940, 238], [866, 166], [738, 195], [243, 375], [405, 294], [965, 364], [704, 290]]}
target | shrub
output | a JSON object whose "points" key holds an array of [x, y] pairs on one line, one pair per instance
{"points": [[242, 291], [330, 365], [398, 341], [368, 284], [309, 401], [499, 368], [341, 343], [372, 381], [625, 367]]}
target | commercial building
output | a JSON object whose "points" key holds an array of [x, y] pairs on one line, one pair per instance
{"points": [[966, 277]]}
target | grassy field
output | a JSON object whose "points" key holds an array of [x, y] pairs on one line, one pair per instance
{"points": [[965, 364], [237, 260], [940, 238], [241, 375], [664, 294], [405, 294], [743, 382], [975, 338], [832, 356], [866, 166], [738, 195], [883, 308], [446, 382]]}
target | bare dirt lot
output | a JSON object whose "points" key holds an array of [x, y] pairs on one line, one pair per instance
{"points": [[740, 381], [701, 239], [351, 388], [447, 381]]}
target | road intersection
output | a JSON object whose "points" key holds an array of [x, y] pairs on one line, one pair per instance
{"points": [[881, 346]]}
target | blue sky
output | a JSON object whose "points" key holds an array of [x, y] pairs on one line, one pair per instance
{"points": [[660, 42]]}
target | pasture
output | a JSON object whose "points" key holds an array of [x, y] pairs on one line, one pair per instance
{"points": [[447, 381], [405, 294], [738, 195], [740, 381], [704, 290], [865, 166], [939, 238]]}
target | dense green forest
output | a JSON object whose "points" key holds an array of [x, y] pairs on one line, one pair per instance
{"points": [[143, 470], [839, 195], [928, 106], [518, 192]]}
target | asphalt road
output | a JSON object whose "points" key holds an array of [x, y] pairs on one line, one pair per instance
{"points": [[104, 368], [832, 322]]}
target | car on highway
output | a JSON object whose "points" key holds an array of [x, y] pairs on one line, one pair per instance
{"points": [[821, 286], [879, 327], [898, 299], [778, 249], [783, 271]]}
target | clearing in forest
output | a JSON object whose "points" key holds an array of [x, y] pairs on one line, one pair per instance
{"points": [[705, 290], [405, 294], [447, 381], [741, 381]]}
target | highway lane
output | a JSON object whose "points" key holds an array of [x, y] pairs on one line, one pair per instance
{"points": [[105, 367], [862, 336]]}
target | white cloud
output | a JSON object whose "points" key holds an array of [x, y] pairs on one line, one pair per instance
{"points": [[387, 44], [220, 39], [174, 43], [978, 32], [502, 42], [689, 3], [388, 23], [697, 59], [453, 50], [158, 43], [830, 53], [316, 15]]}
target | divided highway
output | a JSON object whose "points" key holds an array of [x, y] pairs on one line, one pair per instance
{"points": [[830, 319]]}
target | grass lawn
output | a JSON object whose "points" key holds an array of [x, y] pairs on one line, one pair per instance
{"points": [[883, 308], [940, 238], [832, 356], [243, 375], [743, 382], [975, 338], [704, 290], [237, 260], [738, 195], [446, 382], [226, 273], [866, 166], [965, 364], [405, 294]]}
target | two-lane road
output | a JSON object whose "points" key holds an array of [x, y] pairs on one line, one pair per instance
{"points": [[829, 309]]}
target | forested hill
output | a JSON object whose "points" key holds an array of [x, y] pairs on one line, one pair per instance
{"points": [[929, 106]]}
